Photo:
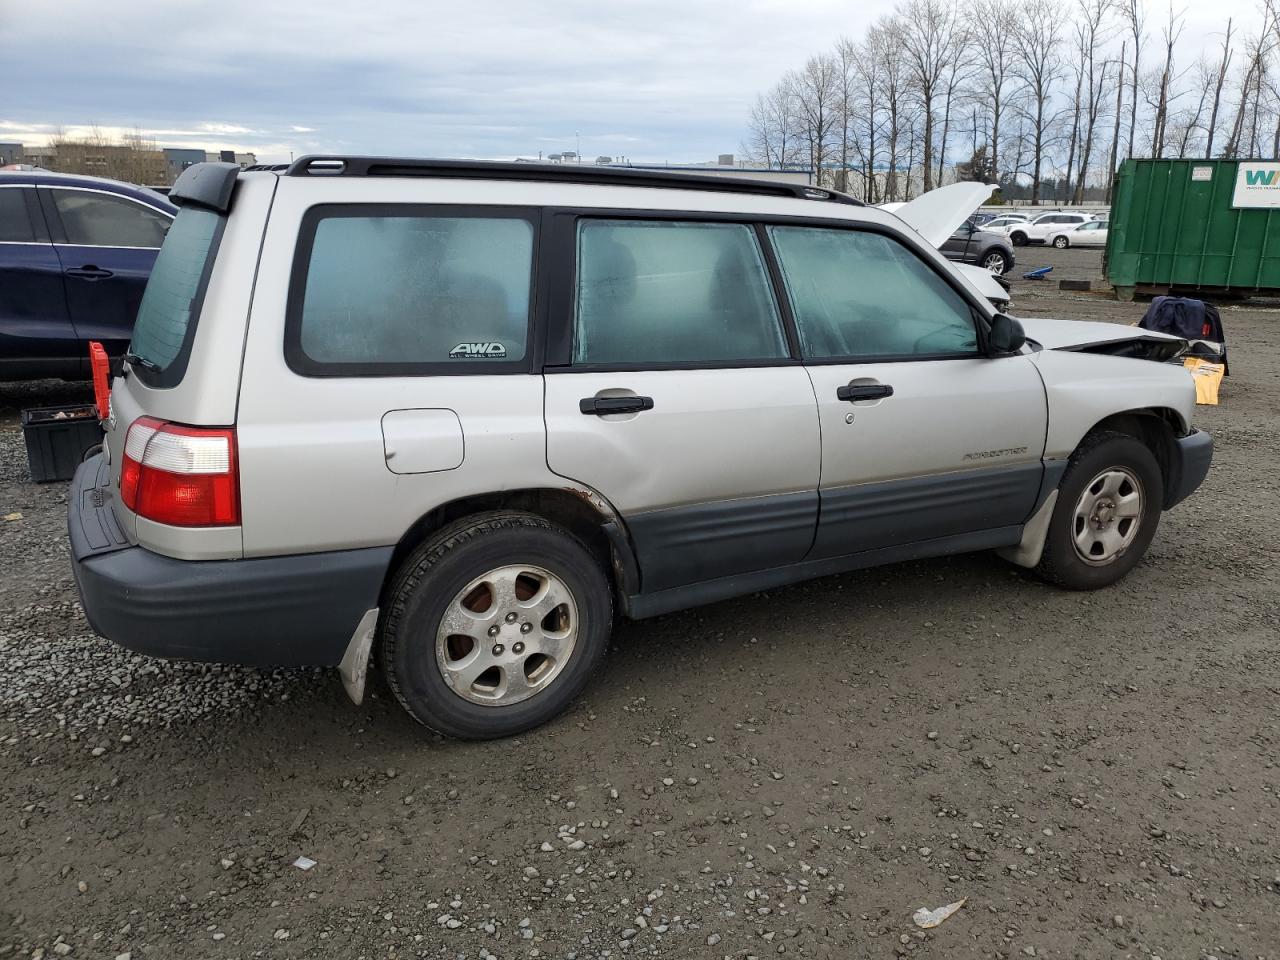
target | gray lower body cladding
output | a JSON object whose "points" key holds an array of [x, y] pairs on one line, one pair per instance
{"points": [[275, 611]]}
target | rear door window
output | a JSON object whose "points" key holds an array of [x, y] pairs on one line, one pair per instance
{"points": [[166, 317], [404, 290], [673, 293], [15, 223], [90, 218]]}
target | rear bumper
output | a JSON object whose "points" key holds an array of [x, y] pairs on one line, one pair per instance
{"points": [[1192, 456], [275, 611]]}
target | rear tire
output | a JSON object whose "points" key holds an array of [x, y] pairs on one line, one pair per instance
{"points": [[494, 625], [996, 263], [1108, 508]]}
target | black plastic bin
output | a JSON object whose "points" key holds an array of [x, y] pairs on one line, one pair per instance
{"points": [[57, 438]]}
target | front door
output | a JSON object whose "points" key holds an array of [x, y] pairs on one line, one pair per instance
{"points": [[107, 246], [923, 437], [677, 398]]}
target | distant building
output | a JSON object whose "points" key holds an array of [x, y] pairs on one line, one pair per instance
{"points": [[12, 153], [178, 159]]}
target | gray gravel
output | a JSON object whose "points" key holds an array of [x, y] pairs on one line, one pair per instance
{"points": [[791, 773]]}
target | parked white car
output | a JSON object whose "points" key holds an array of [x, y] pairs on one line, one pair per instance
{"points": [[1037, 230], [1090, 234], [457, 417], [1001, 223]]}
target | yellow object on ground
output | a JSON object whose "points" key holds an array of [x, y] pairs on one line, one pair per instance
{"points": [[1207, 377]]}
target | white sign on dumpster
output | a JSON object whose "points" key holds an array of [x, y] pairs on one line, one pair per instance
{"points": [[1257, 184]]}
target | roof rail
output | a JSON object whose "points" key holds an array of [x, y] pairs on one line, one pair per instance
{"points": [[338, 166], [273, 167]]}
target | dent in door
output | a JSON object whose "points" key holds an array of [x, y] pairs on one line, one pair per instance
{"points": [[422, 441]]}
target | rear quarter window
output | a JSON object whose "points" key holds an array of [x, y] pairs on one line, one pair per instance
{"points": [[395, 290]]}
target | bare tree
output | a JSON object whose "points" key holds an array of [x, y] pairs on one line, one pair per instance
{"points": [[993, 21], [771, 128], [1115, 136], [1135, 16], [1223, 65], [1036, 41], [817, 94], [928, 46], [1171, 31], [1091, 30], [884, 47]]}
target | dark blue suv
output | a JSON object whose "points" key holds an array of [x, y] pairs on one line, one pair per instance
{"points": [[75, 254]]}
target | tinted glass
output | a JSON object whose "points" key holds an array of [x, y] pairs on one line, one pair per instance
{"points": [[417, 289], [15, 225], [101, 220], [171, 300], [862, 295], [654, 292]]}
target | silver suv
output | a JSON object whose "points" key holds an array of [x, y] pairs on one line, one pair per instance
{"points": [[461, 415]]}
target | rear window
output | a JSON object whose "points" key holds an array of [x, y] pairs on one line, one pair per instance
{"points": [[401, 290], [166, 317]]}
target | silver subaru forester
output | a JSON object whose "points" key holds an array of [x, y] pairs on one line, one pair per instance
{"points": [[457, 416]]}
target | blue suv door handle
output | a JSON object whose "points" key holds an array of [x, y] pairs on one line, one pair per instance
{"points": [[90, 272]]}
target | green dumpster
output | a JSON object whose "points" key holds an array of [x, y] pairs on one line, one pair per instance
{"points": [[1196, 227]]}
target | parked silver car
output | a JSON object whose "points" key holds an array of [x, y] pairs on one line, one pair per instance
{"points": [[462, 415]]}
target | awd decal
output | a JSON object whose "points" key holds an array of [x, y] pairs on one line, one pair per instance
{"points": [[994, 454], [483, 351]]}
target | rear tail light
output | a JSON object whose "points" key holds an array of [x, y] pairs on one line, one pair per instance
{"points": [[181, 476]]}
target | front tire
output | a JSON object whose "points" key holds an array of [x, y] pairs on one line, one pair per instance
{"points": [[1061, 243], [1108, 508], [495, 625], [996, 263], [1018, 238]]}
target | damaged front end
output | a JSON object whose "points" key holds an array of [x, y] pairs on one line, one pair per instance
{"points": [[1106, 339], [1161, 350]]}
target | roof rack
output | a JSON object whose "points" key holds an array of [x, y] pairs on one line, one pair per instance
{"points": [[273, 167], [336, 166]]}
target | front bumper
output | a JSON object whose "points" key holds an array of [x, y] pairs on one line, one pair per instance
{"points": [[1192, 456], [297, 610]]}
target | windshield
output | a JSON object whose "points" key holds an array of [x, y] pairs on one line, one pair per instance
{"points": [[166, 317]]}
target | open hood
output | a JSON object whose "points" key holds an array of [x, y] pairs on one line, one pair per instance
{"points": [[936, 215], [1113, 339]]}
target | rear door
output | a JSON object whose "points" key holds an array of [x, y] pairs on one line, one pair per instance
{"points": [[107, 245], [671, 390], [389, 367], [924, 438], [34, 324]]}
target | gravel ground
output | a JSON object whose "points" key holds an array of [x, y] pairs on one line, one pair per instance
{"points": [[791, 773]]}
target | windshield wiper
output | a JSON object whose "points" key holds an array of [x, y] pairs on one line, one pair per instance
{"points": [[134, 360]]}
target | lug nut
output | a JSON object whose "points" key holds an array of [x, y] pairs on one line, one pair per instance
{"points": [[517, 647], [498, 649], [526, 627], [493, 631], [511, 618]]}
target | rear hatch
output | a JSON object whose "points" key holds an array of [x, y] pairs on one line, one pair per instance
{"points": [[183, 364]]}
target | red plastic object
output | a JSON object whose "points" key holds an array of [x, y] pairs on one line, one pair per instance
{"points": [[101, 368]]}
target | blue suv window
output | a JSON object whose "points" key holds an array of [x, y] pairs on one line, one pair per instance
{"points": [[15, 224], [101, 220]]}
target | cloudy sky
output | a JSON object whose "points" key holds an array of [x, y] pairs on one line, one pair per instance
{"points": [[653, 80]]}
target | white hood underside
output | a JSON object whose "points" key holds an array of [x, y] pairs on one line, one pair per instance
{"points": [[936, 215]]}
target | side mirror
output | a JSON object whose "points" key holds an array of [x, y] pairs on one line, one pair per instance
{"points": [[1007, 335]]}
